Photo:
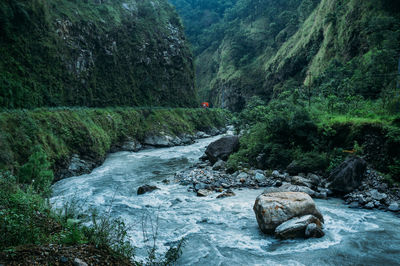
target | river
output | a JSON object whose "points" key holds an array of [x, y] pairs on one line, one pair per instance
{"points": [[222, 231]]}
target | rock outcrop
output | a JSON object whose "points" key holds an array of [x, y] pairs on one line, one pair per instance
{"points": [[222, 148], [347, 176], [273, 209]]}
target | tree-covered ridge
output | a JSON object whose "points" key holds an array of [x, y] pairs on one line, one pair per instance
{"points": [[93, 53], [264, 47]]}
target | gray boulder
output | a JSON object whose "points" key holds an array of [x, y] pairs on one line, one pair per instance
{"points": [[301, 181], [204, 192], [296, 227], [201, 135], [222, 148], [313, 230], [78, 166], [273, 209], [347, 176], [374, 194], [131, 145], [219, 165], [159, 141], [259, 177]]}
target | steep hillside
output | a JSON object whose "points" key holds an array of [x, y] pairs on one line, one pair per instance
{"points": [[93, 53], [264, 47]]}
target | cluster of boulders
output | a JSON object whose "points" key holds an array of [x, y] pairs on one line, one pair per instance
{"points": [[288, 215], [204, 176], [374, 192]]}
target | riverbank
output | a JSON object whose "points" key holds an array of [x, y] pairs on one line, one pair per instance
{"points": [[76, 140]]}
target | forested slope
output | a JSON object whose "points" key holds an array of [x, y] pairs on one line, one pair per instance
{"points": [[264, 47], [93, 53]]}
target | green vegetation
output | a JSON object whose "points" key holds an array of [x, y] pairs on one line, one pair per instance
{"points": [[290, 134], [27, 218], [93, 53], [61, 132], [327, 47]]}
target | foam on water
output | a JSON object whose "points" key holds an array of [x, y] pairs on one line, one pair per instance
{"points": [[222, 231]]}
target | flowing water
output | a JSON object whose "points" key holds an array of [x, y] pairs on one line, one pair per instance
{"points": [[223, 231]]}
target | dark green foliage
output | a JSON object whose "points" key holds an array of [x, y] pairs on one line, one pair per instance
{"points": [[275, 133], [37, 171], [24, 215], [308, 162], [81, 53], [107, 232]]}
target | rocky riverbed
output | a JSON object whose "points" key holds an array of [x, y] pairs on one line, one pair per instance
{"points": [[204, 179]]}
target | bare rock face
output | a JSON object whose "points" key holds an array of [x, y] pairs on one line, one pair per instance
{"points": [[348, 175], [222, 148], [273, 209]]}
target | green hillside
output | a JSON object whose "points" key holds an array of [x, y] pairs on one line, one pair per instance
{"points": [[93, 53], [265, 47]]}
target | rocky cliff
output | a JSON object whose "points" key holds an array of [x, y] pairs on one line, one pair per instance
{"points": [[93, 53]]}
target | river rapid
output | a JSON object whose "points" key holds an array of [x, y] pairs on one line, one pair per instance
{"points": [[222, 231]]}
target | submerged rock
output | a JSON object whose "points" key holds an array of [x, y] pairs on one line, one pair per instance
{"points": [[273, 209], [296, 227], [348, 175], [228, 193], [145, 189], [222, 148]]}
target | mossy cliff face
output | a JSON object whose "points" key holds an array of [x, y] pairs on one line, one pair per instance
{"points": [[265, 47], [93, 53]]}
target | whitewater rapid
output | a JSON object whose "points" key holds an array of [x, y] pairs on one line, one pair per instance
{"points": [[222, 231]]}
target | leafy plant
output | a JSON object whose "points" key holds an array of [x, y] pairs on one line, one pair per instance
{"points": [[37, 171]]}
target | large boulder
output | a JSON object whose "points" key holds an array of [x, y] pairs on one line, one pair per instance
{"points": [[159, 141], [297, 227], [222, 148], [273, 209], [347, 176]]}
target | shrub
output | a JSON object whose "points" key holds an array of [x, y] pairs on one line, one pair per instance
{"points": [[308, 162], [37, 171]]}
